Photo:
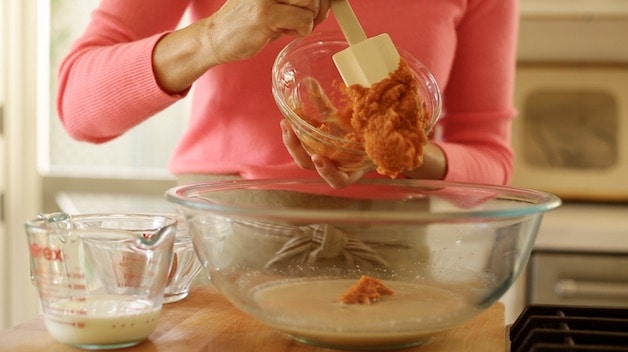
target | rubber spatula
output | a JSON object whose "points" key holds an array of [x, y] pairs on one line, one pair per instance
{"points": [[366, 60]]}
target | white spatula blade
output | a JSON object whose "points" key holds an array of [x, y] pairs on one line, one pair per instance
{"points": [[367, 62]]}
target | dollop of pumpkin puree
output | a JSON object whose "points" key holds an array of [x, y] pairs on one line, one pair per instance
{"points": [[366, 291], [390, 121]]}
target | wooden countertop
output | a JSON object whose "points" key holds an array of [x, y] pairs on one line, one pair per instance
{"points": [[206, 321]]}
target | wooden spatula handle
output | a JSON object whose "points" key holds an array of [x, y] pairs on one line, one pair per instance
{"points": [[348, 22]]}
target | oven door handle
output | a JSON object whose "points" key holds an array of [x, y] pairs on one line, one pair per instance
{"points": [[571, 288]]}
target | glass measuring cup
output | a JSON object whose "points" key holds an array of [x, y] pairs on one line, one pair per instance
{"points": [[100, 277]]}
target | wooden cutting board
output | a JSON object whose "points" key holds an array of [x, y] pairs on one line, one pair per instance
{"points": [[206, 321]]}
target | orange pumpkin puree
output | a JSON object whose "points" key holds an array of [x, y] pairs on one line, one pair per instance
{"points": [[368, 290], [390, 121]]}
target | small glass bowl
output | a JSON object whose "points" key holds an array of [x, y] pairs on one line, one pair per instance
{"points": [[306, 80]]}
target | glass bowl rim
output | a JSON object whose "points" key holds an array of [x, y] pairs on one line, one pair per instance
{"points": [[531, 201]]}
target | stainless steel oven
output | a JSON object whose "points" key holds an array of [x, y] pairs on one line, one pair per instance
{"points": [[585, 278], [581, 257], [576, 282]]}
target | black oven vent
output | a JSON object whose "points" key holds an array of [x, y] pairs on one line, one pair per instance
{"points": [[548, 328]]}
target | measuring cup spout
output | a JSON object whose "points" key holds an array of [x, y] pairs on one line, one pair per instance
{"points": [[148, 240], [59, 224]]}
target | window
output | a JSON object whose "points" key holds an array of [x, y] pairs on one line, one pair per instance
{"points": [[143, 152]]}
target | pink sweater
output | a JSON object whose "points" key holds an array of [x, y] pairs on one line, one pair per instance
{"points": [[107, 86]]}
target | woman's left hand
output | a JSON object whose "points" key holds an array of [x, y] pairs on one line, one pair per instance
{"points": [[325, 167]]}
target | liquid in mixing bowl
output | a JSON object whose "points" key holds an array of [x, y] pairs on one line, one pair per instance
{"points": [[306, 309]]}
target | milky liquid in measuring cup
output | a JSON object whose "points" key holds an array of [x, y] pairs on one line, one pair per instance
{"points": [[102, 320]]}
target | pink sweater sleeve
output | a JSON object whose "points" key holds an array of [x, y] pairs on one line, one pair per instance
{"points": [[106, 82], [479, 94]]}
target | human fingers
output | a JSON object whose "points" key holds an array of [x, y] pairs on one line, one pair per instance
{"points": [[241, 28], [294, 147], [332, 175], [319, 8], [323, 11], [297, 16], [325, 167]]}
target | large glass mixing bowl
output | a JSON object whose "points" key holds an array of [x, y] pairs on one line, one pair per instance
{"points": [[286, 251]]}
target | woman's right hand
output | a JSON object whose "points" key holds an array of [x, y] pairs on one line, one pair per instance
{"points": [[237, 31], [241, 28]]}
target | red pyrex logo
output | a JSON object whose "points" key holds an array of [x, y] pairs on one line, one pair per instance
{"points": [[45, 253]]}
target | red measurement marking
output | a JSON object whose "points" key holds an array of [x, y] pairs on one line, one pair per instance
{"points": [[77, 287], [45, 252], [76, 324], [134, 258]]}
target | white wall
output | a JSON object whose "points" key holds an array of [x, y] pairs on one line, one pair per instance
{"points": [[3, 246], [19, 176]]}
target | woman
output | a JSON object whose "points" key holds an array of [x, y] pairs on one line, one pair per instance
{"points": [[131, 63]]}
